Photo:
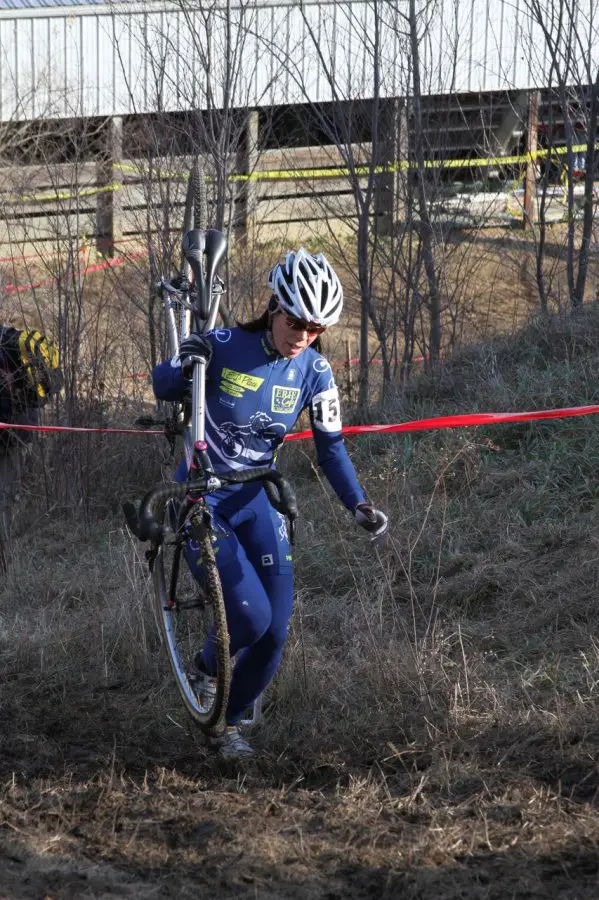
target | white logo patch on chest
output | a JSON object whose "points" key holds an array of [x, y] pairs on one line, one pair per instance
{"points": [[284, 399]]}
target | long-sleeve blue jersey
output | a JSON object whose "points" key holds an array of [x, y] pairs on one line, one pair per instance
{"points": [[254, 396]]}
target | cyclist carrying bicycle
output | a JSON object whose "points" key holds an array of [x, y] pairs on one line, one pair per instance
{"points": [[261, 376]]}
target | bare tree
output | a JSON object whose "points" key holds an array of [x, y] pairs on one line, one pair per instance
{"points": [[570, 37], [377, 126], [426, 230], [375, 37], [203, 60]]}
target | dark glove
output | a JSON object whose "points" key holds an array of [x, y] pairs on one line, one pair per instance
{"points": [[180, 282], [374, 521], [196, 346]]}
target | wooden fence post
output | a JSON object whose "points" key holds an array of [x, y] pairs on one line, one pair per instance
{"points": [[110, 180], [390, 194], [245, 218]]}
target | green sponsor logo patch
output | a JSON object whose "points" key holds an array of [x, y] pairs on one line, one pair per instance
{"points": [[236, 383]]}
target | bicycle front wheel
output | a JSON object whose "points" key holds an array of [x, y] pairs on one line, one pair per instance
{"points": [[189, 615]]}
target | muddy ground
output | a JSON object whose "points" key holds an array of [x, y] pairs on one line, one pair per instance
{"points": [[142, 811]]}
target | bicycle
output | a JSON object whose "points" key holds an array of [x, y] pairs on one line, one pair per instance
{"points": [[176, 515]]}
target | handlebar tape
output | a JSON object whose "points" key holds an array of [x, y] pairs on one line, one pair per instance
{"points": [[145, 522], [278, 489]]}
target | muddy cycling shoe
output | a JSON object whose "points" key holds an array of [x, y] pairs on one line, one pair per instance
{"points": [[231, 745], [203, 685]]}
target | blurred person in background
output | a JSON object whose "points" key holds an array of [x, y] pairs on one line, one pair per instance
{"points": [[29, 375]]}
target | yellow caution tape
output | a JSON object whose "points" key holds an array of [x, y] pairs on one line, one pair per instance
{"points": [[62, 195], [403, 165], [333, 172], [398, 166]]}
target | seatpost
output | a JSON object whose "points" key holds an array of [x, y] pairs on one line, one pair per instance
{"points": [[201, 247], [198, 403], [171, 324]]}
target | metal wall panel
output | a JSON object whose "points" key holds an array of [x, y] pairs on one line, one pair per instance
{"points": [[45, 4], [139, 58]]}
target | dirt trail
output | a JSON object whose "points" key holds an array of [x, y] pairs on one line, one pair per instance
{"points": [[287, 827]]}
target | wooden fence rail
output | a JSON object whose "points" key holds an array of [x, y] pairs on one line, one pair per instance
{"points": [[282, 193]]}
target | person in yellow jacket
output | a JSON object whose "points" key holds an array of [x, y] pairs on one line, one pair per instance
{"points": [[29, 374]]}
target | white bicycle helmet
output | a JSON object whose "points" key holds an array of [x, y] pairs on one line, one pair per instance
{"points": [[307, 288]]}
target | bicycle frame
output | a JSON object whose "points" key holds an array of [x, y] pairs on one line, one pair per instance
{"points": [[198, 402], [196, 244]]}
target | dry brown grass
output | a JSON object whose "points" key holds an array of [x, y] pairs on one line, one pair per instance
{"points": [[487, 282], [433, 729]]}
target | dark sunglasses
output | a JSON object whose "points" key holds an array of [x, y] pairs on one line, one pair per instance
{"points": [[300, 325]]}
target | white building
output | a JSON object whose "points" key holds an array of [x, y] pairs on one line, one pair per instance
{"points": [[90, 58]]}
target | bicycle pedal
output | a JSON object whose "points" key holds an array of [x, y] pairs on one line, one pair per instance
{"points": [[253, 714], [151, 557], [196, 603]]}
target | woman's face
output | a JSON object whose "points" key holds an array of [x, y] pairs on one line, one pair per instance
{"points": [[292, 336]]}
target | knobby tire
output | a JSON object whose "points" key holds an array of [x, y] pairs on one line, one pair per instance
{"points": [[211, 720], [200, 200], [214, 593], [196, 200]]}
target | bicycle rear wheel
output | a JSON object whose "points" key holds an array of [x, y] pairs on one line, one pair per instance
{"points": [[188, 615], [196, 200]]}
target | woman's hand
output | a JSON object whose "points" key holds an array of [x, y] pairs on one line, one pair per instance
{"points": [[194, 347], [374, 521]]}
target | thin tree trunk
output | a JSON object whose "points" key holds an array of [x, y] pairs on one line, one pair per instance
{"points": [[570, 190], [364, 308], [426, 229], [587, 226]]}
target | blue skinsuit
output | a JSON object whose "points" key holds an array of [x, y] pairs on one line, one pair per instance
{"points": [[253, 398]]}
